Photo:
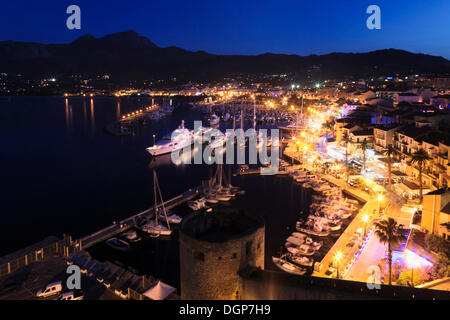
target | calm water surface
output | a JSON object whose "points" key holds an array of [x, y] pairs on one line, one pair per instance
{"points": [[62, 173]]}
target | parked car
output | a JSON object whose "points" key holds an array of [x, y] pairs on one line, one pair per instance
{"points": [[50, 290], [72, 295]]}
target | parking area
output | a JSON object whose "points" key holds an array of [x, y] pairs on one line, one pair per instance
{"points": [[24, 284]]}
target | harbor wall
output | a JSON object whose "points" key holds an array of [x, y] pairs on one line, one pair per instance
{"points": [[274, 285]]}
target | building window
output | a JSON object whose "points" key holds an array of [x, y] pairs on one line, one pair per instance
{"points": [[220, 258], [200, 256], [234, 256]]}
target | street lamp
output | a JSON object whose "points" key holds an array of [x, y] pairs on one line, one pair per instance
{"points": [[380, 198], [337, 259], [365, 218]]}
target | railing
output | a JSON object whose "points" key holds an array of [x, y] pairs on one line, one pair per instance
{"points": [[13, 264]]}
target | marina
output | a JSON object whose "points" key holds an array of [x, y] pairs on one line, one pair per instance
{"points": [[195, 199]]}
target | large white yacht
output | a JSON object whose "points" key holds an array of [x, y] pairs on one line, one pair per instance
{"points": [[176, 140]]}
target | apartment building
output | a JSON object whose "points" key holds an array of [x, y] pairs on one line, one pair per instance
{"points": [[384, 135], [436, 213]]}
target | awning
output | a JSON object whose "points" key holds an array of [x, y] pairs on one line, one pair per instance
{"points": [[398, 173], [159, 291]]}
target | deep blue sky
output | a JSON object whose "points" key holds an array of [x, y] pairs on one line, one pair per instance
{"points": [[241, 27]]}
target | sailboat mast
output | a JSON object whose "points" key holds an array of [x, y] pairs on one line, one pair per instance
{"points": [[162, 202], [254, 113], [242, 118], [302, 110], [234, 116], [156, 198]]}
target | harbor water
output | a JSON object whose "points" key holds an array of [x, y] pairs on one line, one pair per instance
{"points": [[63, 173]]}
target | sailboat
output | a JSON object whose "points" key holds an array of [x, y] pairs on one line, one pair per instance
{"points": [[298, 125], [154, 227]]}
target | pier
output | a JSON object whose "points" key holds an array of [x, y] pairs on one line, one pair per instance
{"points": [[125, 224]]}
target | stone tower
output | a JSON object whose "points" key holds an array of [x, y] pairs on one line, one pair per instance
{"points": [[214, 248]]}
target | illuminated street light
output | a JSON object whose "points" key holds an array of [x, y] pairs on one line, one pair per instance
{"points": [[365, 218], [379, 198], [337, 259]]}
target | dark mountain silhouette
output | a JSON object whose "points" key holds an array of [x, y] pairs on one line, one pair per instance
{"points": [[127, 55]]}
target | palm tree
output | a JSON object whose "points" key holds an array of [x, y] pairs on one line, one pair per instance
{"points": [[346, 140], [363, 145], [329, 126], [420, 158], [388, 231], [389, 152]]}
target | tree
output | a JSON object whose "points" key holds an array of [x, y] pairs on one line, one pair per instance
{"points": [[329, 126], [346, 140], [420, 158], [363, 145], [389, 152], [392, 234], [405, 278]]}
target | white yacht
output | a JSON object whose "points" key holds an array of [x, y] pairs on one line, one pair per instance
{"points": [[171, 218], [288, 267], [176, 140], [156, 229]]}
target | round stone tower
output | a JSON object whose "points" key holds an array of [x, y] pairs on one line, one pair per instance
{"points": [[214, 248]]}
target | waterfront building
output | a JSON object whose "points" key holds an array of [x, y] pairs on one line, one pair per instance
{"points": [[384, 136], [436, 213]]}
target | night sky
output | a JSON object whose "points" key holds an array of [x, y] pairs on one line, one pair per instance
{"points": [[241, 27]]}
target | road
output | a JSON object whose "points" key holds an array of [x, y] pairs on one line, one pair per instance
{"points": [[370, 255]]}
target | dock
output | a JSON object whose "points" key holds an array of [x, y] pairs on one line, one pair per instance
{"points": [[256, 172], [125, 224]]}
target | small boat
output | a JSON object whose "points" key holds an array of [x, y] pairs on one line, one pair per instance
{"points": [[156, 229], [132, 236], [210, 198], [222, 196], [303, 249], [303, 261], [316, 232], [288, 267], [118, 244], [197, 204], [171, 218], [294, 241]]}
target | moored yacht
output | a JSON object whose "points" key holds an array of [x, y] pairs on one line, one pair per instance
{"points": [[177, 140], [288, 267], [156, 229]]}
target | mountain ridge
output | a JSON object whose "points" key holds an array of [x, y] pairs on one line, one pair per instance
{"points": [[128, 55]]}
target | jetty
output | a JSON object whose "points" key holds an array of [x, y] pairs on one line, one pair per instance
{"points": [[125, 224]]}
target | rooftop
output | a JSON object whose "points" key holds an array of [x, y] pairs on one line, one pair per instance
{"points": [[412, 131], [437, 192], [220, 226]]}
